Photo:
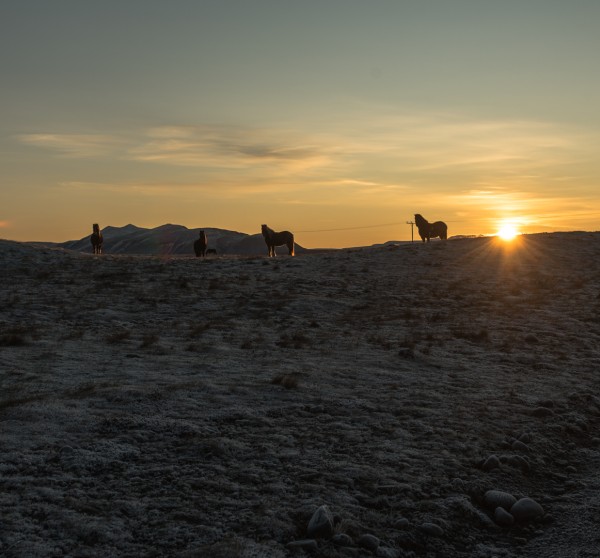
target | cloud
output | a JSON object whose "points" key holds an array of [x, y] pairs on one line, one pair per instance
{"points": [[229, 148], [383, 155], [75, 145]]}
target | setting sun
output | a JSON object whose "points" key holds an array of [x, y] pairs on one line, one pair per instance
{"points": [[508, 232]]}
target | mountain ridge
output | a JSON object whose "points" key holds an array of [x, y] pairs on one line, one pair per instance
{"points": [[172, 239]]}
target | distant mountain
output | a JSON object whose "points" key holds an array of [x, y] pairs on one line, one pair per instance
{"points": [[170, 239]]}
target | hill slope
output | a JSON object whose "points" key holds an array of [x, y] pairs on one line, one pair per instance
{"points": [[169, 239]]}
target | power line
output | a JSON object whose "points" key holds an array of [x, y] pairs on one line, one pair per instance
{"points": [[552, 216], [353, 228]]}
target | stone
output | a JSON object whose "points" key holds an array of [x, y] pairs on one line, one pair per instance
{"points": [[517, 445], [370, 542], [431, 529], [503, 518], [497, 498], [492, 462], [542, 412], [341, 539], [402, 523], [519, 461], [387, 552], [526, 509], [321, 523], [305, 544]]}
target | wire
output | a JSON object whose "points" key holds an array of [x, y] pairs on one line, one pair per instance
{"points": [[355, 228]]}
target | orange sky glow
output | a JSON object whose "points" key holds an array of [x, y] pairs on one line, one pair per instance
{"points": [[332, 121]]}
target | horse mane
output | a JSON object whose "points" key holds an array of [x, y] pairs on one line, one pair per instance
{"points": [[429, 230], [273, 239], [420, 221]]}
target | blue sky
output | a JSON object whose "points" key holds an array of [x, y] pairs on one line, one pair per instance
{"points": [[305, 115]]}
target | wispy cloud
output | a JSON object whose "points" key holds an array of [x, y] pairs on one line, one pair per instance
{"points": [[232, 148], [384, 155], [76, 145]]}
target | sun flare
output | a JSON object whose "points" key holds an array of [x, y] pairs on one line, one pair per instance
{"points": [[508, 232]]}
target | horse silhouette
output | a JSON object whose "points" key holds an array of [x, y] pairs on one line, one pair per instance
{"points": [[200, 245], [429, 230], [96, 239], [273, 239]]}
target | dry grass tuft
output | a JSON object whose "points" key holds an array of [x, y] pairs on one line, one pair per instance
{"points": [[148, 340], [288, 381], [12, 340], [296, 340], [118, 336]]}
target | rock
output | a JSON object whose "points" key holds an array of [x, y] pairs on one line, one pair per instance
{"points": [[387, 552], [542, 412], [321, 523], [526, 437], [431, 529], [519, 461], [402, 523], [492, 462], [370, 542], [305, 544], [517, 445], [526, 509], [502, 517], [341, 539], [497, 498]]}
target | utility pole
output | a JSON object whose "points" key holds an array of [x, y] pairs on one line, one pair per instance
{"points": [[412, 228]]}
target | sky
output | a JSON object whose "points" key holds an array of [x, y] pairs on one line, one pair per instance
{"points": [[335, 119]]}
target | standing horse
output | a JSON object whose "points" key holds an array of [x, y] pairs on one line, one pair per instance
{"points": [[201, 244], [96, 239], [429, 230], [273, 239]]}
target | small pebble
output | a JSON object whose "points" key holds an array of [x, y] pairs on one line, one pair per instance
{"points": [[542, 412], [526, 509], [370, 542], [306, 544], [341, 539], [402, 523], [526, 437], [431, 529], [492, 462], [519, 461], [497, 498], [387, 552], [503, 518], [517, 445]]}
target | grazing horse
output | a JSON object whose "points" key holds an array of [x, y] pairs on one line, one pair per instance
{"points": [[200, 245], [96, 239], [273, 239], [429, 230]]}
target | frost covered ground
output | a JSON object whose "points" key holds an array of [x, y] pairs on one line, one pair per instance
{"points": [[179, 407]]}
